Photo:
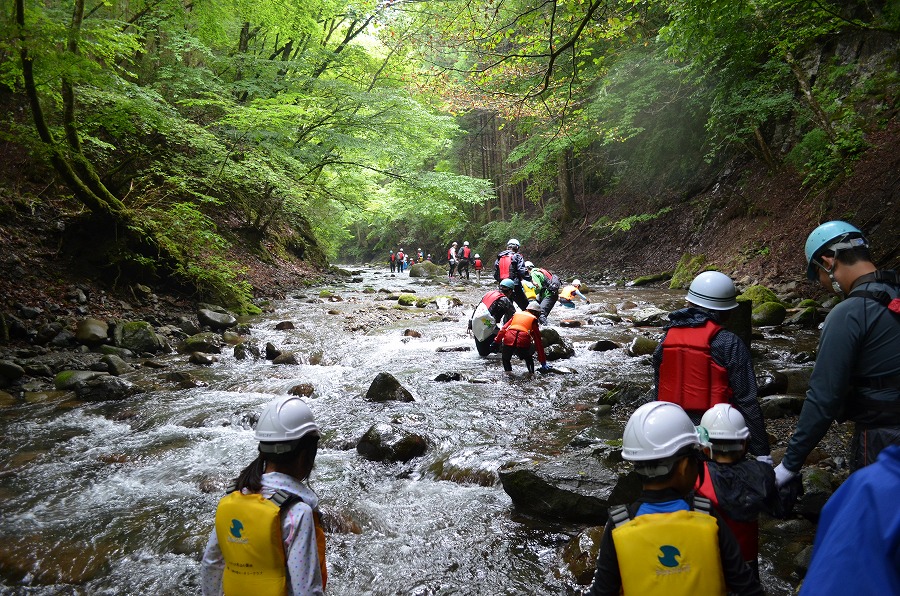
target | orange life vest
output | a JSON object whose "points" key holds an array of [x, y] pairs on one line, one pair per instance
{"points": [[688, 376]]}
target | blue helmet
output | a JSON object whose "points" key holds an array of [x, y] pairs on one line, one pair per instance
{"points": [[508, 284], [831, 235]]}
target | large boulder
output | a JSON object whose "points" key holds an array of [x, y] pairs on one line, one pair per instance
{"points": [[91, 331], [650, 317], [769, 314], [390, 442], [139, 337], [427, 269], [10, 372], [555, 345], [216, 320], [67, 379], [387, 388], [758, 295], [105, 388], [641, 346], [578, 487], [207, 342]]}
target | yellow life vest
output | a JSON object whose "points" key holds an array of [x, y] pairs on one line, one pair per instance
{"points": [[248, 527], [529, 289], [249, 531], [567, 292], [670, 553]]}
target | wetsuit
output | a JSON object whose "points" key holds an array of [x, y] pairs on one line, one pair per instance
{"points": [[608, 578], [521, 336], [511, 265], [728, 351], [859, 349]]}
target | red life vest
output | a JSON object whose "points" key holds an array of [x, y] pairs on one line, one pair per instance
{"points": [[688, 376], [491, 297], [400, 256], [477, 263], [466, 252], [450, 254], [504, 264], [747, 533]]}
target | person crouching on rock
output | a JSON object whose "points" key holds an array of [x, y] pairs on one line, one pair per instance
{"points": [[521, 336]]}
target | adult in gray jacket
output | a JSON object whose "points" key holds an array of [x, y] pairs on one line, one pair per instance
{"points": [[857, 371]]}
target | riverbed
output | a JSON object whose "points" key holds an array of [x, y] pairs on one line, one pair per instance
{"points": [[119, 497]]}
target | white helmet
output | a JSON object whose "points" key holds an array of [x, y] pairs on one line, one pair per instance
{"points": [[724, 422], [529, 265], [454, 244], [285, 419], [513, 243], [466, 243], [713, 290], [576, 283], [533, 306], [656, 431], [477, 256]]}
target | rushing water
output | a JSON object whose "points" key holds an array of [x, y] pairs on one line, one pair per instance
{"points": [[118, 498]]}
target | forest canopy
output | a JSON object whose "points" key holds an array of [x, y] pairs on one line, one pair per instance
{"points": [[345, 129]]}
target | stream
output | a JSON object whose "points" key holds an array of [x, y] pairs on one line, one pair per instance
{"points": [[119, 497]]}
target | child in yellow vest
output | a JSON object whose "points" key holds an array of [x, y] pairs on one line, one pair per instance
{"points": [[667, 543], [267, 538]]}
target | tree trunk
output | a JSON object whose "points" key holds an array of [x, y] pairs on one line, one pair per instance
{"points": [[566, 191]]}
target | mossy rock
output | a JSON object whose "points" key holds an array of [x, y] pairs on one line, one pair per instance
{"points": [[407, 300], [427, 269], [649, 279], [769, 314], [685, 271], [808, 303], [325, 294], [758, 295]]}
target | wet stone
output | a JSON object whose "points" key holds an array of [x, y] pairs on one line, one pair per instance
{"points": [[385, 387], [392, 443]]}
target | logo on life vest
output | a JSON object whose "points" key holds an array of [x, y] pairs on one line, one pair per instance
{"points": [[236, 528], [669, 554]]}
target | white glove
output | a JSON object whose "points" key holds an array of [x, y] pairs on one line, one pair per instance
{"points": [[766, 459], [783, 475]]}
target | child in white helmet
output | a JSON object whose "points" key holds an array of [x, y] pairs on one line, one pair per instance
{"points": [[663, 543], [267, 537], [739, 488]]}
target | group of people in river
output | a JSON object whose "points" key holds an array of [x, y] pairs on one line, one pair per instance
{"points": [[400, 261], [694, 528]]}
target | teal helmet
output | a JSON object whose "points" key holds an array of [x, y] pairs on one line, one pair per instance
{"points": [[508, 284], [831, 235]]}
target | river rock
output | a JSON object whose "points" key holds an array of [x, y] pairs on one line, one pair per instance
{"points": [[427, 269], [411, 333], [580, 554], [286, 358], [115, 365], [771, 383], [447, 377], [271, 351], [188, 325], [817, 488], [116, 351], [769, 314], [247, 350], [139, 337], [207, 342], [6, 400], [390, 442], [781, 406], [231, 338], [555, 345], [284, 325], [185, 380], [407, 300], [577, 487], [571, 323], [603, 345], [201, 359], [804, 317], [105, 388], [10, 372], [387, 388], [302, 390], [91, 331], [67, 379], [758, 295], [641, 346], [650, 317], [216, 320]]}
